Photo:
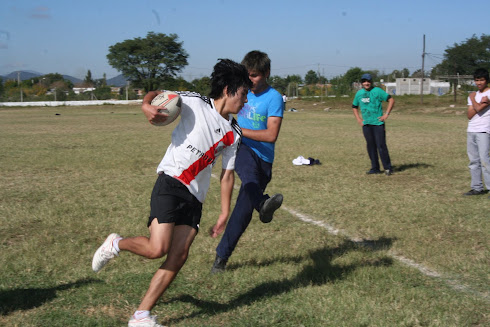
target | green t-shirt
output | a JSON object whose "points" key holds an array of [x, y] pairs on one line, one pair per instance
{"points": [[371, 104]]}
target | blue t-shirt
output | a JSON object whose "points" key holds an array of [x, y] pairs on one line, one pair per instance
{"points": [[254, 116]]}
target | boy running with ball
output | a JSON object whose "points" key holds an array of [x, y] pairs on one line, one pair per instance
{"points": [[206, 130]]}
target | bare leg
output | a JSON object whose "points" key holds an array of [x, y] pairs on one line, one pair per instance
{"points": [[154, 247], [183, 236]]}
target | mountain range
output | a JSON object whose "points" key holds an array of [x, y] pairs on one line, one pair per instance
{"points": [[119, 80]]}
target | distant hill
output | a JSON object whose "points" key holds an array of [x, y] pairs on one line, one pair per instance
{"points": [[119, 80], [23, 75], [72, 79], [31, 74]]}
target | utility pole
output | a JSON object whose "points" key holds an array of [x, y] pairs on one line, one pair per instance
{"points": [[325, 83], [321, 90], [456, 79], [20, 86], [456, 88], [422, 80]]}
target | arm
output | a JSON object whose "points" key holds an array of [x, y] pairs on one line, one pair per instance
{"points": [[391, 103], [476, 107], [227, 180], [269, 134], [151, 112], [358, 117]]}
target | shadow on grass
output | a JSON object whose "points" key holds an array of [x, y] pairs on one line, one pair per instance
{"points": [[321, 271], [410, 166], [383, 243], [29, 298]]}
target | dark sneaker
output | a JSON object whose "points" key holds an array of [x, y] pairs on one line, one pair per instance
{"points": [[269, 206], [475, 192], [388, 172], [219, 265], [373, 171]]}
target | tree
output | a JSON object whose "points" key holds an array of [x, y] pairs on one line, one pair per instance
{"points": [[405, 72], [466, 57], [49, 79], [202, 85], [2, 89], [311, 77], [60, 90], [353, 75], [399, 73], [103, 92], [88, 81], [340, 85], [292, 85], [38, 89], [418, 73], [279, 83], [295, 79], [148, 62], [177, 84], [100, 82]]}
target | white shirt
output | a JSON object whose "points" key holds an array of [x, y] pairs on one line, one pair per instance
{"points": [[200, 137], [480, 122]]}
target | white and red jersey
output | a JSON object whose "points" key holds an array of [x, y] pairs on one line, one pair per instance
{"points": [[200, 137]]}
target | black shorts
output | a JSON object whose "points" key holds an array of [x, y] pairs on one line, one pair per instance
{"points": [[171, 202]]}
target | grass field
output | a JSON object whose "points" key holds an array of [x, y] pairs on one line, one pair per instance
{"points": [[347, 250]]}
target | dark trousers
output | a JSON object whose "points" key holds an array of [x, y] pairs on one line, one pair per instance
{"points": [[375, 136], [255, 174]]}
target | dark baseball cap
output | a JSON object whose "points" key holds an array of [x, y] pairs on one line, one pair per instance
{"points": [[367, 77]]}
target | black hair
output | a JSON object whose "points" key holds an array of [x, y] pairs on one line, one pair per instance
{"points": [[481, 73], [258, 61], [230, 74]]}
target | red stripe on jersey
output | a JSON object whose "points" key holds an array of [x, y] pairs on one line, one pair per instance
{"points": [[189, 174]]}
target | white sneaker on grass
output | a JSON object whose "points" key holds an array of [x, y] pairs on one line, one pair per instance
{"points": [[144, 322], [104, 253]]}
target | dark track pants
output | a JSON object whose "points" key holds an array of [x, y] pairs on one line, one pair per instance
{"points": [[255, 174], [375, 136]]}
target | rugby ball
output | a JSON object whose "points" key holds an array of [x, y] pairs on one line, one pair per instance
{"points": [[172, 103]]}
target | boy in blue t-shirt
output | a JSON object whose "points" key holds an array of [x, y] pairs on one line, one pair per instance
{"points": [[370, 100], [260, 120]]}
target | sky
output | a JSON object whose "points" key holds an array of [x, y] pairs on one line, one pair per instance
{"points": [[329, 37]]}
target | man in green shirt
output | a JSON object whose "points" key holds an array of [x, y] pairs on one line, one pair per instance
{"points": [[370, 100]]}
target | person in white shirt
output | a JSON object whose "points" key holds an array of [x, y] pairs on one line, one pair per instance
{"points": [[478, 140], [206, 130]]}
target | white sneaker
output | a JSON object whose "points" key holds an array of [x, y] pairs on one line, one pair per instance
{"points": [[144, 322], [104, 253]]}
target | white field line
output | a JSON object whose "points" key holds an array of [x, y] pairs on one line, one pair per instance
{"points": [[453, 283]]}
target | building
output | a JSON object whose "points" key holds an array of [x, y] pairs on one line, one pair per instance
{"points": [[79, 90], [411, 85]]}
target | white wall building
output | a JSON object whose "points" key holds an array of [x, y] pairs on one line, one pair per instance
{"points": [[78, 90], [410, 85]]}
